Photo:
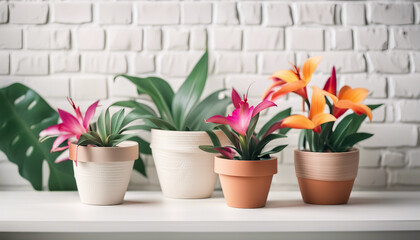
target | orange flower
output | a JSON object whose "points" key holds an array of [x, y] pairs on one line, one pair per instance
{"points": [[292, 80], [313, 121], [349, 98]]}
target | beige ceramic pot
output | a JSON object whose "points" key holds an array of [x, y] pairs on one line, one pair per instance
{"points": [[326, 178], [102, 173], [184, 170], [245, 184]]}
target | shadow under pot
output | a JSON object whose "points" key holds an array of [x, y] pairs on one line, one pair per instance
{"points": [[245, 183], [102, 173], [326, 178], [184, 170]]}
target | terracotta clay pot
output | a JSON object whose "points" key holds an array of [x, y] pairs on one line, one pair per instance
{"points": [[245, 184], [102, 173], [184, 170], [326, 178]]}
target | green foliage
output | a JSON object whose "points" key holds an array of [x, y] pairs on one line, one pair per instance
{"points": [[24, 114], [180, 111], [341, 139], [251, 146]]}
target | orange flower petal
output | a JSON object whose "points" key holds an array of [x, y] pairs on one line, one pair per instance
{"points": [[332, 96], [355, 95], [297, 122], [358, 108], [317, 102], [286, 88], [323, 118], [286, 75], [270, 88], [309, 68]]}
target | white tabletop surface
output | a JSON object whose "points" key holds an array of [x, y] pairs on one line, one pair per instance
{"points": [[151, 212]]}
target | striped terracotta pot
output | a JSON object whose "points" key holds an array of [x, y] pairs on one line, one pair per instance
{"points": [[326, 178]]}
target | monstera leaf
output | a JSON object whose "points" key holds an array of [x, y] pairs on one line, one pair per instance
{"points": [[23, 114]]}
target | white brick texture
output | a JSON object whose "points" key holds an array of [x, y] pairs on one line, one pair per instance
{"points": [[115, 13], [10, 38], [158, 13], [264, 39], [30, 64], [28, 12], [391, 13], [75, 48], [197, 13], [278, 14], [308, 13], [4, 12], [38, 38], [125, 39], [72, 12]]}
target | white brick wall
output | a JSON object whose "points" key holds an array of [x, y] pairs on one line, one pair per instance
{"points": [[58, 46]]}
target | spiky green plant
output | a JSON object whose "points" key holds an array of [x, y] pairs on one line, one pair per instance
{"points": [[109, 130]]}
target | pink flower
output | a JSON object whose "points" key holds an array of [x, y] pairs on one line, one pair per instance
{"points": [[71, 126], [225, 151], [241, 116]]}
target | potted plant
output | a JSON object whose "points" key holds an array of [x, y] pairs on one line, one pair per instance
{"points": [[326, 162], [177, 129], [102, 156], [244, 168]]}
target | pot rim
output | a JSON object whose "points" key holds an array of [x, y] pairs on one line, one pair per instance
{"points": [[245, 168], [124, 151], [351, 151]]}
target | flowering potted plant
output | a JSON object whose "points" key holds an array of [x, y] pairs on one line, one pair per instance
{"points": [[244, 168], [178, 129], [102, 156], [326, 162]]}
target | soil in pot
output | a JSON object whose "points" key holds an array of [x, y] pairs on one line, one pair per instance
{"points": [[245, 184], [326, 178]]}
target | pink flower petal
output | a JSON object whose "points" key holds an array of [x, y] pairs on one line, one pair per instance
{"points": [[53, 130], [89, 114], [236, 99], [58, 141], [227, 152], [63, 157], [218, 119], [71, 122], [263, 105], [239, 121], [76, 110]]}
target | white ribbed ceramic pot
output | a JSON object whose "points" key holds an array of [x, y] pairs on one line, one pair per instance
{"points": [[102, 173], [184, 171]]}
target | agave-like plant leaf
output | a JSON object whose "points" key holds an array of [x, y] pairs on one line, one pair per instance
{"points": [[190, 92], [24, 114], [276, 118], [210, 106]]}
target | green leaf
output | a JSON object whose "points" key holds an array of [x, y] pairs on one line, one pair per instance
{"points": [[144, 146], [251, 128], [24, 114], [260, 146], [213, 137], [121, 138], [101, 127], [231, 136], [160, 123], [358, 120], [276, 118], [140, 166], [209, 107], [90, 138], [302, 140], [136, 127], [117, 121], [107, 122], [273, 151], [138, 107], [208, 148], [190, 92], [352, 139], [159, 91], [340, 132]]}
